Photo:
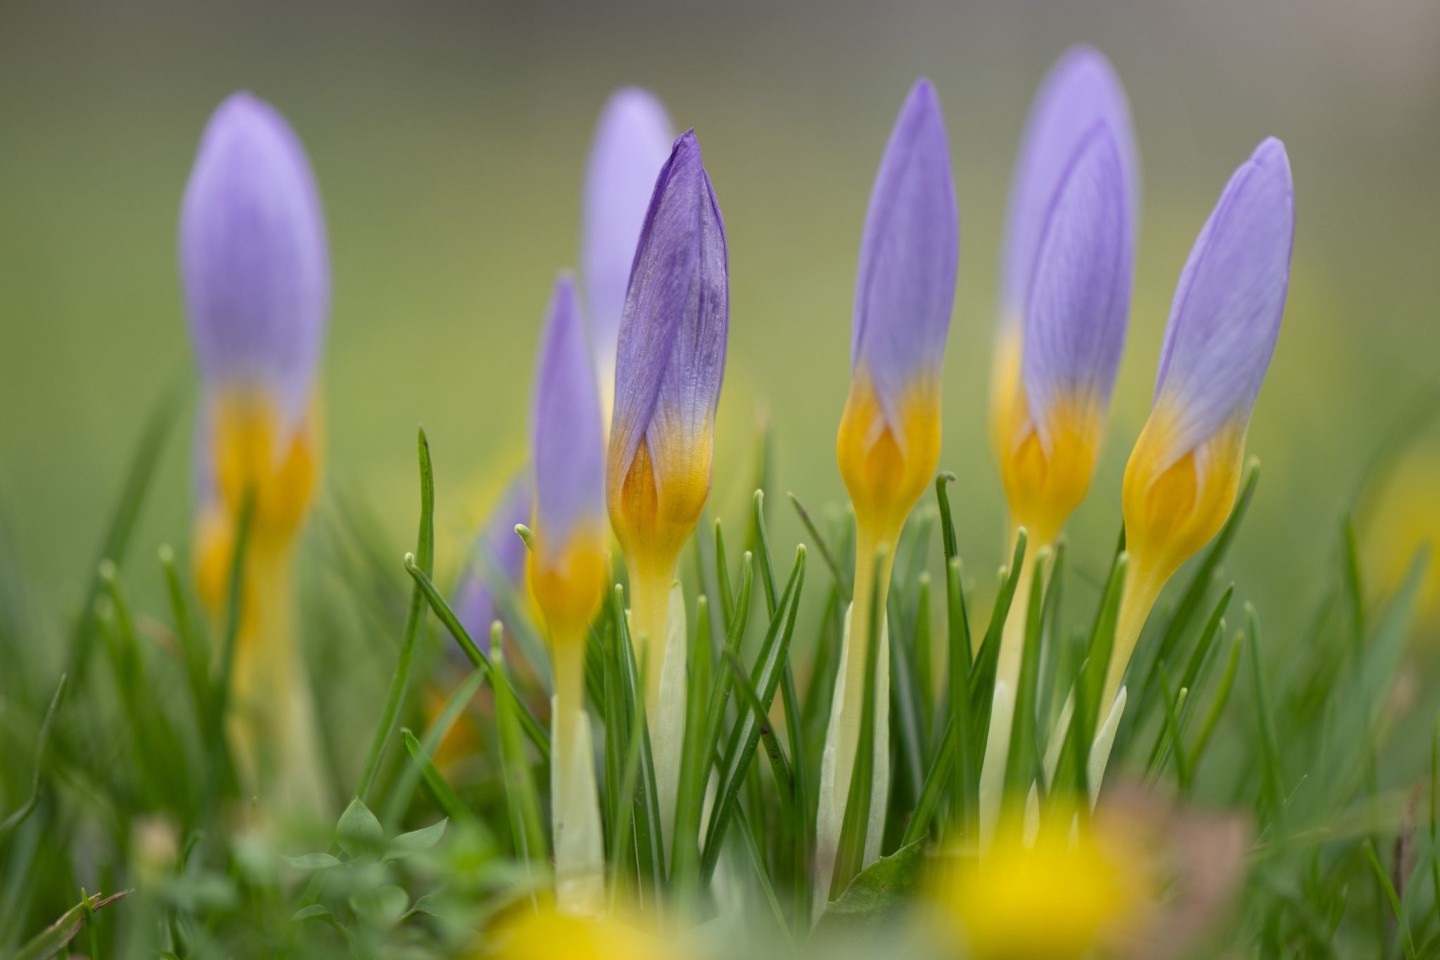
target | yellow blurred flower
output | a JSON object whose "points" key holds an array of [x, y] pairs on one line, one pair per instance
{"points": [[1061, 894], [547, 934], [1404, 518]]}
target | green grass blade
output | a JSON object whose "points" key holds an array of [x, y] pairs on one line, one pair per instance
{"points": [[424, 558], [745, 735], [534, 731], [523, 804]]}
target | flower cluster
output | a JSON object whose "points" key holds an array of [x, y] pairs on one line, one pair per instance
{"points": [[627, 382]]}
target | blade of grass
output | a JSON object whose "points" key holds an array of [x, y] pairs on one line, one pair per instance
{"points": [[523, 805], [42, 742], [424, 558], [404, 789], [534, 731], [745, 734]]}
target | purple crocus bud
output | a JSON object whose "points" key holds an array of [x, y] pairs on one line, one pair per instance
{"points": [[889, 438], [1067, 262], [567, 568], [568, 575], [254, 258], [255, 269], [1080, 90], [889, 441], [632, 141], [669, 364], [1184, 472], [496, 567]]}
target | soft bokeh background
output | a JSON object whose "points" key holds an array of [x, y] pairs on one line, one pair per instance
{"points": [[449, 141]]}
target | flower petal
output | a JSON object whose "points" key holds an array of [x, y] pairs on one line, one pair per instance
{"points": [[1229, 301], [1080, 90], [253, 255], [671, 354], [631, 144], [566, 445], [1079, 298], [909, 251]]}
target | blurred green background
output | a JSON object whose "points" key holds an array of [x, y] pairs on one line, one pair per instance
{"points": [[450, 139]]}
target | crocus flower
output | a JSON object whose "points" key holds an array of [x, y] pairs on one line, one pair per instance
{"points": [[1058, 893], [669, 364], [1183, 474], [496, 567], [568, 575], [1068, 260], [549, 933], [255, 268], [631, 144], [889, 438], [1065, 289]]}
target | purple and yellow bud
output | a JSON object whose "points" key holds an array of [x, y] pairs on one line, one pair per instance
{"points": [[1183, 475], [669, 364], [889, 438], [1067, 262], [888, 444], [254, 263], [568, 574], [632, 142]]}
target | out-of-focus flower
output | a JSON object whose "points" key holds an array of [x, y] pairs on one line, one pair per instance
{"points": [[632, 141], [1184, 472], [1402, 518], [546, 932], [255, 268], [1142, 879], [568, 574], [889, 438], [1068, 261], [496, 566], [1056, 895], [669, 365]]}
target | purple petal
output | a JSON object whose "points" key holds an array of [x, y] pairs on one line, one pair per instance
{"points": [[1079, 91], [1228, 303], [1080, 297], [253, 255], [631, 144], [496, 567], [905, 288], [671, 354], [567, 444]]}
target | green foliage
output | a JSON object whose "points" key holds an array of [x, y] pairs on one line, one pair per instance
{"points": [[124, 781]]}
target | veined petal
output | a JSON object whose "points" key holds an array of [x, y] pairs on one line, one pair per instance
{"points": [[1079, 300], [671, 354], [253, 256], [1228, 304], [631, 144], [1080, 91], [905, 288], [496, 566]]}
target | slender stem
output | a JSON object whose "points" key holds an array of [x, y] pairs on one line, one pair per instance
{"points": [[1142, 589], [650, 622]]}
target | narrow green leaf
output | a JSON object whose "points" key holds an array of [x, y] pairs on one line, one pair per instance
{"points": [[400, 686], [534, 731], [745, 735], [523, 804]]}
